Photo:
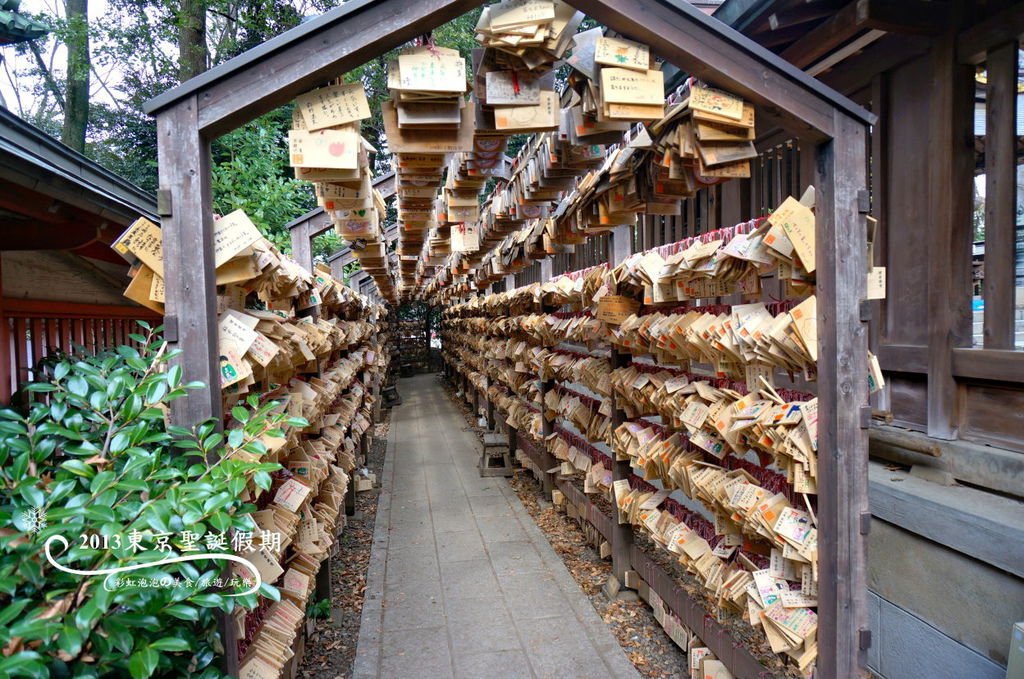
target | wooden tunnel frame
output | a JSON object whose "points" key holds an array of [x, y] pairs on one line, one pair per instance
{"points": [[315, 222], [190, 116]]}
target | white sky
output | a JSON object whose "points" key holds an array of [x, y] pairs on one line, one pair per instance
{"points": [[105, 78], [12, 88]]}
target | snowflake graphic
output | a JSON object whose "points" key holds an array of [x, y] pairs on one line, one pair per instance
{"points": [[34, 520]]}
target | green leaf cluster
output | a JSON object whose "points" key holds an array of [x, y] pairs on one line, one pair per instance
{"points": [[92, 453]]}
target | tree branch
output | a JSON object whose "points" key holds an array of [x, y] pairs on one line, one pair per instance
{"points": [[51, 84]]}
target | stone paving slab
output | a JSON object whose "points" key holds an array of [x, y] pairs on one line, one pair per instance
{"points": [[461, 582]]}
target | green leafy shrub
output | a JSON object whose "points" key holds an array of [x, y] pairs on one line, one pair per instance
{"points": [[321, 610], [91, 455]]}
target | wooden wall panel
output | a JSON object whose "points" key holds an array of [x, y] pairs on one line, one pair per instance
{"points": [[909, 400], [994, 414], [50, 275]]}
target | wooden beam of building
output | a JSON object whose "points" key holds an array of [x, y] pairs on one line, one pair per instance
{"points": [[782, 36], [189, 276], [949, 247], [714, 53], [17, 234], [800, 15], [910, 16], [1000, 195], [841, 244], [303, 230], [973, 44], [385, 184], [915, 17], [312, 54], [302, 244]]}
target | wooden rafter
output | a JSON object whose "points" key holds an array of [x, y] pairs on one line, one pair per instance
{"points": [[800, 15], [919, 17], [1005, 26]]}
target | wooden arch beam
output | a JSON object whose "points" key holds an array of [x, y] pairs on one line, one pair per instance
{"points": [[307, 56], [346, 37], [315, 222]]}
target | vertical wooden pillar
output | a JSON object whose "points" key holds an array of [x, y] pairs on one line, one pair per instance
{"points": [[547, 269], [621, 244], [1000, 195], [622, 534], [186, 218], [190, 320], [323, 582], [513, 442], [490, 404], [950, 177], [6, 350], [879, 182], [302, 245], [350, 496], [364, 445], [548, 428], [843, 515]]}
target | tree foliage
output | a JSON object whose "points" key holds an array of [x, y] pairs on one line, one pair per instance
{"points": [[136, 53], [91, 456]]}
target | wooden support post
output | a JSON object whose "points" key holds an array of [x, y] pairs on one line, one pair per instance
{"points": [[364, 446], [350, 496], [622, 534], [302, 245], [950, 186], [377, 397], [547, 429], [490, 413], [1000, 195], [841, 259], [7, 353], [547, 269], [323, 582], [189, 278], [621, 245], [190, 319]]}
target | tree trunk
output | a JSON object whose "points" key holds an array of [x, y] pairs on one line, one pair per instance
{"points": [[192, 38], [76, 104]]}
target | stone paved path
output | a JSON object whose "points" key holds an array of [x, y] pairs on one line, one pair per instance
{"points": [[462, 583]]}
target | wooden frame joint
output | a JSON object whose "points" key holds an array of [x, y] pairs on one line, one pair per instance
{"points": [[865, 310], [171, 328], [863, 201], [865, 417], [164, 203], [865, 523]]}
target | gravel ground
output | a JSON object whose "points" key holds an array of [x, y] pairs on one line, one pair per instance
{"points": [[331, 649], [641, 637]]}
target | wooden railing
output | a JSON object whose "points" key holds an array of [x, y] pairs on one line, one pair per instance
{"points": [[30, 330]]}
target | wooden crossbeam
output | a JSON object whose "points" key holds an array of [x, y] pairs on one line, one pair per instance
{"points": [[295, 62], [798, 16], [918, 17], [973, 43]]}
